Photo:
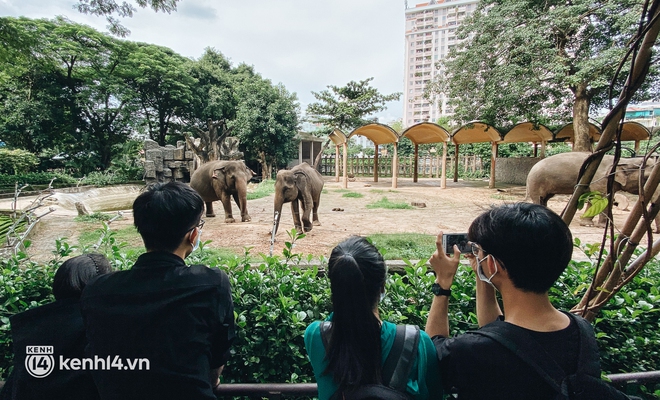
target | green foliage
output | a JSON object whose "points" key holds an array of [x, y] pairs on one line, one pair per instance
{"points": [[37, 178], [94, 217], [6, 224], [110, 8], [354, 195], [263, 189], [400, 246], [348, 107], [597, 204], [385, 203], [17, 161]]}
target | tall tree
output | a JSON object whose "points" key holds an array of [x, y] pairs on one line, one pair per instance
{"points": [[163, 87], [266, 122], [540, 61], [110, 8], [348, 107]]}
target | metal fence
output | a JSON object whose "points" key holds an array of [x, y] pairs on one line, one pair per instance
{"points": [[428, 166]]}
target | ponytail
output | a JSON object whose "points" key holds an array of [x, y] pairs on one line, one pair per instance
{"points": [[357, 275]]}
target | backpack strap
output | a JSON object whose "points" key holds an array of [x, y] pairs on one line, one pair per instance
{"points": [[400, 360], [523, 346], [588, 359]]}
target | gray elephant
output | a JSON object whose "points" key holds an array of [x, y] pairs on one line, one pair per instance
{"points": [[301, 183], [558, 174], [221, 180]]}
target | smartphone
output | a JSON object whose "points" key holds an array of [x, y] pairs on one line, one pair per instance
{"points": [[459, 239]]}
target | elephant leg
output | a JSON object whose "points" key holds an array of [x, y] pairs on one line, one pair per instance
{"points": [[209, 209], [296, 215], [241, 202], [602, 220], [307, 206], [226, 203], [315, 214], [657, 223]]}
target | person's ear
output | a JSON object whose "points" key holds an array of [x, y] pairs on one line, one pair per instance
{"points": [[191, 236], [492, 264]]}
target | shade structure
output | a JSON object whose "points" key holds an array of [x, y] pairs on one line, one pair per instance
{"points": [[567, 133], [379, 134], [427, 133], [340, 139], [477, 132], [528, 132], [634, 131]]}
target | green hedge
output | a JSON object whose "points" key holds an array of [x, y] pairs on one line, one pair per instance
{"points": [[17, 161], [37, 178], [277, 299]]}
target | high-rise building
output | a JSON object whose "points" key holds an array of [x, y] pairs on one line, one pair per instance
{"points": [[430, 33]]}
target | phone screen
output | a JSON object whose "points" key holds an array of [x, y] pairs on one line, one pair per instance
{"points": [[459, 239]]}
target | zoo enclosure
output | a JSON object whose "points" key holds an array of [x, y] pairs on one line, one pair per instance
{"points": [[428, 166]]}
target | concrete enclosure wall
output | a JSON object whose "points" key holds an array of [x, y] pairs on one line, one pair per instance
{"points": [[167, 163], [514, 170]]}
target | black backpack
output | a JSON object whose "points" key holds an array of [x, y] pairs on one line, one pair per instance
{"points": [[585, 383], [396, 368]]}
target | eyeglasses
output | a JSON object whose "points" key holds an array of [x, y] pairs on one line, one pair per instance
{"points": [[200, 225], [474, 247]]}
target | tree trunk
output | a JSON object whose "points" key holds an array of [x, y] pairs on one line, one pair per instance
{"points": [[581, 139]]}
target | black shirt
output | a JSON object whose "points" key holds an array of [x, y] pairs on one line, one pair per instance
{"points": [[59, 325], [179, 318], [480, 368]]}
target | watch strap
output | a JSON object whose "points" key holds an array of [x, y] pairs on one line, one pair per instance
{"points": [[439, 291]]}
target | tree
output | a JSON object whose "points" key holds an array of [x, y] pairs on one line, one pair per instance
{"points": [[163, 87], [109, 8], [349, 106], [537, 61], [267, 122]]}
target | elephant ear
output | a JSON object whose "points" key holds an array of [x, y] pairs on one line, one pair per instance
{"points": [[300, 176]]}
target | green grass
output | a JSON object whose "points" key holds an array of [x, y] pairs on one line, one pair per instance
{"points": [[380, 191], [94, 217], [354, 195], [503, 197], [341, 191], [263, 189], [127, 234], [324, 191], [385, 203], [397, 246]]}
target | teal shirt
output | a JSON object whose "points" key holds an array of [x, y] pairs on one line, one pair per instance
{"points": [[423, 383]]}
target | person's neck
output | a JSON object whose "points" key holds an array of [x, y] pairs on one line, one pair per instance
{"points": [[532, 311], [181, 252]]}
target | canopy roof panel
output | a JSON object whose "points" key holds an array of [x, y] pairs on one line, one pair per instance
{"points": [[377, 133], [634, 131], [475, 132], [338, 137], [426, 132], [528, 132], [568, 133]]}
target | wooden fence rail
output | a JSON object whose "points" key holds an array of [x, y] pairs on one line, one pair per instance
{"points": [[428, 167]]}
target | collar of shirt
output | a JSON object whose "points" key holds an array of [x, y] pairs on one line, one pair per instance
{"points": [[159, 259]]}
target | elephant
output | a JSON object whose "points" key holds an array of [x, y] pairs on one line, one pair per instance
{"points": [[218, 180], [558, 174], [301, 183]]}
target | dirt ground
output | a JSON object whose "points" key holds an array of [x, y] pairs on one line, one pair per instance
{"points": [[450, 210]]}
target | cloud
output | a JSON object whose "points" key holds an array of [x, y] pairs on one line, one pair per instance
{"points": [[195, 10]]}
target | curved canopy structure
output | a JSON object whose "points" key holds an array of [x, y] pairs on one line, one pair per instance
{"points": [[634, 131], [338, 137], [377, 133], [476, 132], [528, 132], [425, 133], [567, 133]]}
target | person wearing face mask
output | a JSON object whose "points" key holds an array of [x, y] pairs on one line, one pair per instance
{"points": [[519, 250], [179, 318]]}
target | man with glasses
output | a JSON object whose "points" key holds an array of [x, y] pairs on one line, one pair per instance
{"points": [[161, 330], [519, 250]]}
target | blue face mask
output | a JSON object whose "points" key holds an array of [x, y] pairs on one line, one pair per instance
{"points": [[199, 237]]}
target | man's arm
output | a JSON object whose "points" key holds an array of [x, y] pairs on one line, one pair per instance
{"points": [[445, 269], [214, 376]]}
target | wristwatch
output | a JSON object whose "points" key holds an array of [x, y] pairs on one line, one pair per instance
{"points": [[439, 291]]}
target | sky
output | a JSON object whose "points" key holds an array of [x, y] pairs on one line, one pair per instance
{"points": [[304, 44]]}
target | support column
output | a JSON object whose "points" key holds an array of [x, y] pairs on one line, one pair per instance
{"points": [[345, 164], [456, 164], [416, 165], [375, 163], [300, 146], [543, 145], [311, 153], [336, 163], [536, 149], [493, 157], [395, 166], [636, 147], [443, 180]]}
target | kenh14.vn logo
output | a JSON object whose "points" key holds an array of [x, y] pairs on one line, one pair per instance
{"points": [[39, 361]]}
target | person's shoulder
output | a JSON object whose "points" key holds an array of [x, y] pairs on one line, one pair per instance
{"points": [[100, 282], [313, 329], [210, 275]]}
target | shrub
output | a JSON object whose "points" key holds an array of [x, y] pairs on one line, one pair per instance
{"points": [[263, 189], [385, 203], [37, 178], [354, 195], [17, 161]]}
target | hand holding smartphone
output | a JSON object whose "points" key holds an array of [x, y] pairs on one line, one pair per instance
{"points": [[459, 239]]}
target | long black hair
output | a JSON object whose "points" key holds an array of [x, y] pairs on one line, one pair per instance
{"points": [[357, 277], [72, 276]]}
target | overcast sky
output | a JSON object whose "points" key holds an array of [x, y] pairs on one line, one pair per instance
{"points": [[304, 44]]}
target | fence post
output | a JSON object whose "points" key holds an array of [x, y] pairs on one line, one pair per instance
{"points": [[336, 163], [493, 157], [416, 164], [395, 166], [443, 181], [456, 164], [345, 165], [375, 163]]}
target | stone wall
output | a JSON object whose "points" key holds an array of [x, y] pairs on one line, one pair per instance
{"points": [[514, 170], [167, 163]]}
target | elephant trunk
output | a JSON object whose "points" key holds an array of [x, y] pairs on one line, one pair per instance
{"points": [[277, 214]]}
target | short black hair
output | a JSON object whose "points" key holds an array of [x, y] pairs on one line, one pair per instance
{"points": [[74, 274], [164, 213], [531, 241]]}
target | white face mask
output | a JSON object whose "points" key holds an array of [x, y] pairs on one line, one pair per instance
{"points": [[482, 275], [382, 296], [197, 241]]}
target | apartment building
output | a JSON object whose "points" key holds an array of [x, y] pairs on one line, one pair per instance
{"points": [[430, 34]]}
